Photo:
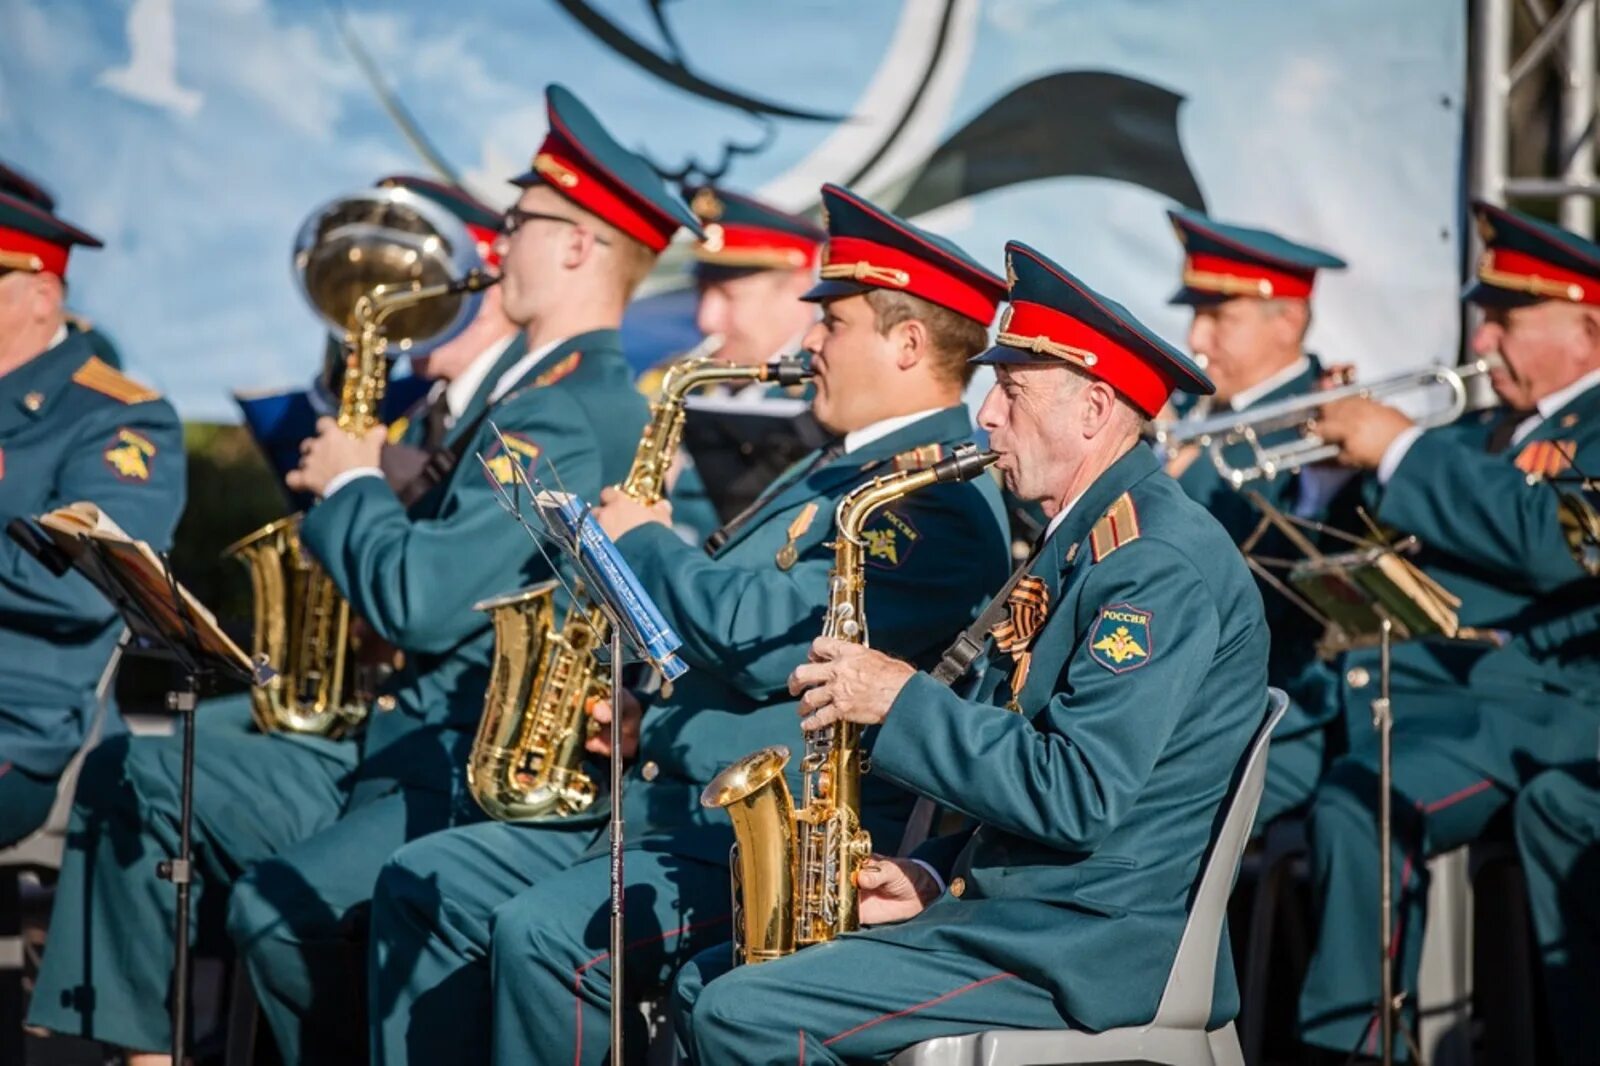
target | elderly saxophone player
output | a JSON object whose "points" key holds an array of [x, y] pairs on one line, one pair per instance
{"points": [[491, 939], [1117, 697], [291, 831], [1474, 720]]}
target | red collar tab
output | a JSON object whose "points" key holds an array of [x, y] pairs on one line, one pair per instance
{"points": [[24, 251], [1232, 277], [567, 171], [734, 244], [886, 267], [1521, 272], [1047, 331]]}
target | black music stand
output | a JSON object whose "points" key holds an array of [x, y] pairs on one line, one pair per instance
{"points": [[638, 634], [1368, 596], [163, 625]]}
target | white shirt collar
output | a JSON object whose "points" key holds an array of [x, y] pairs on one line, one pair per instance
{"points": [[1561, 397], [1245, 397], [459, 392], [1061, 516], [857, 439], [1553, 403], [61, 335], [520, 369]]}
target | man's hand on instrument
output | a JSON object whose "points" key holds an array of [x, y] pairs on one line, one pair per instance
{"points": [[632, 712], [332, 452], [1362, 428], [892, 890], [846, 682], [620, 513]]}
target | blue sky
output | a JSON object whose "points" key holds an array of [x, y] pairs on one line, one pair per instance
{"points": [[1336, 120]]}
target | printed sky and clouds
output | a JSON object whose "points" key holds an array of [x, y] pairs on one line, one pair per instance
{"points": [[195, 135]]}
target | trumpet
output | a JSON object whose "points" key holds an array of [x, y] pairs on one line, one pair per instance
{"points": [[1219, 433]]}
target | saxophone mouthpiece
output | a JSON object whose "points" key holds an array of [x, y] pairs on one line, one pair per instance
{"points": [[788, 371], [966, 463], [474, 280]]}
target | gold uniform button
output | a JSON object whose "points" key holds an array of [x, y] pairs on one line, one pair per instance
{"points": [[1357, 677], [958, 887], [650, 771], [386, 703]]}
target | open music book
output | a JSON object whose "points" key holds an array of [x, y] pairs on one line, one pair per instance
{"points": [[135, 579]]}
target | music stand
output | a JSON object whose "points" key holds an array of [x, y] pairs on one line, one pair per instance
{"points": [[637, 629], [1368, 596], [167, 623]]}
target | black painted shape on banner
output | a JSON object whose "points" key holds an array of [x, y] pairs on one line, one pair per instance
{"points": [[674, 72], [1074, 123]]}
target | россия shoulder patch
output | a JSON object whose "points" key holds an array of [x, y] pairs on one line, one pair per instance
{"points": [[501, 461], [890, 538], [1121, 639]]}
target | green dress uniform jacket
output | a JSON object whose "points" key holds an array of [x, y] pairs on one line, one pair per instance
{"points": [[71, 428], [294, 828], [1475, 719], [533, 897], [1095, 804]]}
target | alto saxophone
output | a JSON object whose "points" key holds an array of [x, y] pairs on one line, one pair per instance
{"points": [[794, 868], [302, 623], [526, 762]]}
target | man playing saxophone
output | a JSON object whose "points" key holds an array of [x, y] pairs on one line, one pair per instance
{"points": [[1114, 704], [491, 939], [295, 828]]}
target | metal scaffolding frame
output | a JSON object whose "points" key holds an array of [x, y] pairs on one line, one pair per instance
{"points": [[1563, 41]]}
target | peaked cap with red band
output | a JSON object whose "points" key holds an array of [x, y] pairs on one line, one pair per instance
{"points": [[33, 239], [1055, 318], [584, 163], [1222, 261], [1525, 261], [744, 235], [482, 221], [869, 248]]}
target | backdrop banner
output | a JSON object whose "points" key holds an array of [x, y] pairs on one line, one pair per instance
{"points": [[195, 135]]}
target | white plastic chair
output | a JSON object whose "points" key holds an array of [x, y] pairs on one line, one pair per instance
{"points": [[1177, 1034]]}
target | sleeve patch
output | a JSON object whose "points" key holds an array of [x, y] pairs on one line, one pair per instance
{"points": [[890, 539], [518, 451], [1121, 640], [128, 454]]}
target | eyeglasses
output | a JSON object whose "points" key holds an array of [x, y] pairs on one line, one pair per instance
{"points": [[516, 216]]}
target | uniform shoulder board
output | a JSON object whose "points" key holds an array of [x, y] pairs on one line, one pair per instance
{"points": [[1118, 526], [919, 458], [103, 378], [559, 371]]}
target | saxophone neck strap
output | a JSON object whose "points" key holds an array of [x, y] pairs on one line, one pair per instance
{"points": [[441, 462], [965, 649]]}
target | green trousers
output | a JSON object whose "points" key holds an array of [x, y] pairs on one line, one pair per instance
{"points": [[490, 942], [850, 1000], [285, 861], [1558, 833]]}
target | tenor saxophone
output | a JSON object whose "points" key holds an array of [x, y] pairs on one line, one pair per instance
{"points": [[302, 623], [526, 762], [794, 868]]}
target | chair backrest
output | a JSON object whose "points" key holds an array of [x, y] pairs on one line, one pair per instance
{"points": [[1186, 1001]]}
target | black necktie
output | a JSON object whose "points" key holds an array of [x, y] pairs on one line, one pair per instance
{"points": [[1504, 430], [824, 456], [435, 424]]}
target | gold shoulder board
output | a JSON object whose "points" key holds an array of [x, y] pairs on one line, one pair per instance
{"points": [[1118, 526], [108, 381]]}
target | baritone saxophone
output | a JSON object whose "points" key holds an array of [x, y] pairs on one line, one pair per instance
{"points": [[794, 868], [526, 762]]}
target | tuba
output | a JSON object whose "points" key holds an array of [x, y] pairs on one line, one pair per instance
{"points": [[390, 271], [794, 869], [526, 762]]}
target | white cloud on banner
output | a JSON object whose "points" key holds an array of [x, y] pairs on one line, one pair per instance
{"points": [[1336, 121]]}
